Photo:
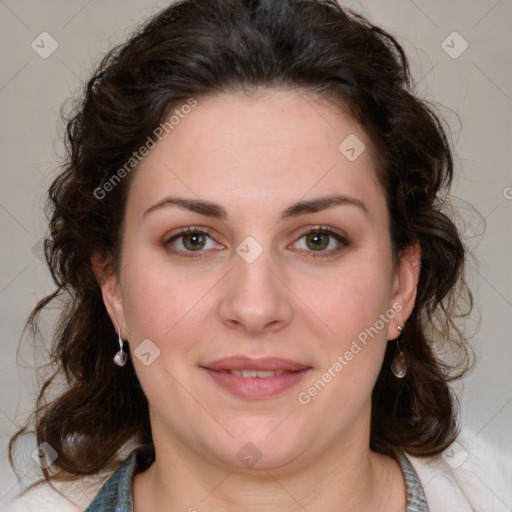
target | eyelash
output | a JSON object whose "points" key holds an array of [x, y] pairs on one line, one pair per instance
{"points": [[324, 230]]}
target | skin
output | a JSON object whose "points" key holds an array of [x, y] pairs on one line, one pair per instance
{"points": [[255, 156]]}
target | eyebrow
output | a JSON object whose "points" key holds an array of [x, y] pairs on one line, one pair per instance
{"points": [[216, 211]]}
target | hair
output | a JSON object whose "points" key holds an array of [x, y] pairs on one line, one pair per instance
{"points": [[199, 48]]}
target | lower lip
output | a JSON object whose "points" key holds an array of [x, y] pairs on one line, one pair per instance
{"points": [[254, 387]]}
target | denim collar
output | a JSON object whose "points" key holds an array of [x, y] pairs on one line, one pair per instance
{"points": [[116, 493]]}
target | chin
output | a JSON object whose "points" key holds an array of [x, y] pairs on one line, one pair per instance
{"points": [[262, 443]]}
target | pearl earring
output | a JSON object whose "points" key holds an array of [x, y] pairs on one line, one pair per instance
{"points": [[399, 363], [120, 358]]}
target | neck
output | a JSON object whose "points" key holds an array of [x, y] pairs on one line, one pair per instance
{"points": [[348, 476]]}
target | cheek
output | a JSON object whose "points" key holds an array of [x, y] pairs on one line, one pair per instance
{"points": [[355, 307], [156, 300], [351, 299]]}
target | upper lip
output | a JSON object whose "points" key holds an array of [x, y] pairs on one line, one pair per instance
{"points": [[263, 364]]}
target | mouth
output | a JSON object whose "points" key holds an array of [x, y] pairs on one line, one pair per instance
{"points": [[256, 378], [246, 374]]}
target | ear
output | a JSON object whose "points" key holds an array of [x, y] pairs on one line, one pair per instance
{"points": [[405, 286], [111, 291]]}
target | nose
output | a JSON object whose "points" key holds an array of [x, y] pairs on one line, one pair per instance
{"points": [[254, 299]]}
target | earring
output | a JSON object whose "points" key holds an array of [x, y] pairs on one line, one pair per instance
{"points": [[120, 358], [399, 363]]}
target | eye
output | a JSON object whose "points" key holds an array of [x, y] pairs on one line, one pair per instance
{"points": [[191, 240], [322, 240]]}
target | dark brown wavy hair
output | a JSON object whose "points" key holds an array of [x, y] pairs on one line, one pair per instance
{"points": [[196, 48]]}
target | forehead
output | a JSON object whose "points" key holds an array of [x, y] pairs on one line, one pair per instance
{"points": [[267, 148]]}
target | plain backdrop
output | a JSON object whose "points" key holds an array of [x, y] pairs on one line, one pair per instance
{"points": [[472, 87]]}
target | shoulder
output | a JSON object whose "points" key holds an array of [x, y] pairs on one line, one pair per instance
{"points": [[471, 475], [69, 497], [75, 496]]}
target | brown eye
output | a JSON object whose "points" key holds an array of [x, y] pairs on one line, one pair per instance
{"points": [[317, 241], [321, 241], [191, 242], [194, 242]]}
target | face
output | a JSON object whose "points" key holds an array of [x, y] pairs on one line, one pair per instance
{"points": [[256, 284]]}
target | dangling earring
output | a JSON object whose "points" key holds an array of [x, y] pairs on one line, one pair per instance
{"points": [[399, 363], [120, 358]]}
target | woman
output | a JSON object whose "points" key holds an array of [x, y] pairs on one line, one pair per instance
{"points": [[256, 269]]}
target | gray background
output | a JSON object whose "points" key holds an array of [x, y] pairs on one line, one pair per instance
{"points": [[474, 90]]}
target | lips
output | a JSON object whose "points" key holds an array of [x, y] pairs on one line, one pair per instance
{"points": [[256, 378], [260, 365]]}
